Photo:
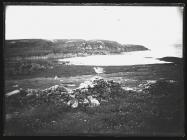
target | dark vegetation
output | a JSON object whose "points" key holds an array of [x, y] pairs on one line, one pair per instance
{"points": [[172, 59], [27, 67], [156, 110], [53, 69]]}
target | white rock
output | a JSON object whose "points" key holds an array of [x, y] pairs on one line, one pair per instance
{"points": [[72, 96], [85, 101], [29, 94], [87, 84], [13, 92], [15, 85], [71, 85], [84, 90], [128, 88], [99, 70], [56, 77], [70, 91], [69, 103], [54, 87], [171, 81], [73, 103], [93, 101], [151, 81], [83, 85]]}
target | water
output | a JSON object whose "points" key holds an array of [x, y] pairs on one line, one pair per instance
{"points": [[131, 58], [127, 58]]}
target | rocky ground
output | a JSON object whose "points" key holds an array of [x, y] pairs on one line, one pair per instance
{"points": [[125, 103]]}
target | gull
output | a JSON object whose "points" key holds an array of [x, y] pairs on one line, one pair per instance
{"points": [[99, 70]]}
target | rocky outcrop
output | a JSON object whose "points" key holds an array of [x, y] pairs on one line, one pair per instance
{"points": [[90, 93], [39, 47]]}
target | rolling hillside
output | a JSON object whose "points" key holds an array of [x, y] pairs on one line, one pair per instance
{"points": [[40, 47]]}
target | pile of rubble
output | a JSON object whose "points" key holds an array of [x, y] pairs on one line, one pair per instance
{"points": [[89, 94], [92, 92]]}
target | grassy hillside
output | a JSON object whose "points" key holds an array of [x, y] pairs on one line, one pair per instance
{"points": [[149, 109], [150, 101], [67, 47]]}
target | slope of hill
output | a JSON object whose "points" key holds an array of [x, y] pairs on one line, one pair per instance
{"points": [[40, 47], [172, 59], [131, 47]]}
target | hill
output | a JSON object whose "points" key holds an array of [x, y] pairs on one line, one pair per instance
{"points": [[172, 59], [41, 47]]}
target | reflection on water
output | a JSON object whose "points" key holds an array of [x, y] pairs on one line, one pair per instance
{"points": [[126, 58]]}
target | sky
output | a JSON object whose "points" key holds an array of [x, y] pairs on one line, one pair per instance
{"points": [[145, 25]]}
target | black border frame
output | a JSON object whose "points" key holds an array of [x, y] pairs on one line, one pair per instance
{"points": [[92, 4]]}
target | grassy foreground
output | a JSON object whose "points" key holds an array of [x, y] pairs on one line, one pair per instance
{"points": [[156, 110]]}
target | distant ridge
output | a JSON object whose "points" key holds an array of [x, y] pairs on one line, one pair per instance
{"points": [[172, 59], [40, 47]]}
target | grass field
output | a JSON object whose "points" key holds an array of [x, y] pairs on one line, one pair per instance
{"points": [[158, 110]]}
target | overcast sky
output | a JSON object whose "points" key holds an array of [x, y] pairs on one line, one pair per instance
{"points": [[126, 24]]}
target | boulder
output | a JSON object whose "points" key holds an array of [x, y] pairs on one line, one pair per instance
{"points": [[13, 92], [85, 101], [93, 101], [73, 103]]}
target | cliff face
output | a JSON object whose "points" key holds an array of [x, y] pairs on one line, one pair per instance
{"points": [[39, 47]]}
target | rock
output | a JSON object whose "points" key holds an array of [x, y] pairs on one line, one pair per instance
{"points": [[84, 90], [73, 103], [129, 89], [31, 91], [13, 92], [171, 81], [29, 94], [94, 90], [85, 101], [93, 101], [86, 84], [15, 85], [56, 77], [151, 81], [103, 100], [90, 93], [54, 87]]}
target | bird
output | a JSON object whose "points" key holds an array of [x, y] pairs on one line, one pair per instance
{"points": [[98, 70]]}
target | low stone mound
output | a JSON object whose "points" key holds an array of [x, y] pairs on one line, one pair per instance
{"points": [[93, 91], [89, 94]]}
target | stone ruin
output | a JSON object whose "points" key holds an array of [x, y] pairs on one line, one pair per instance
{"points": [[89, 93]]}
